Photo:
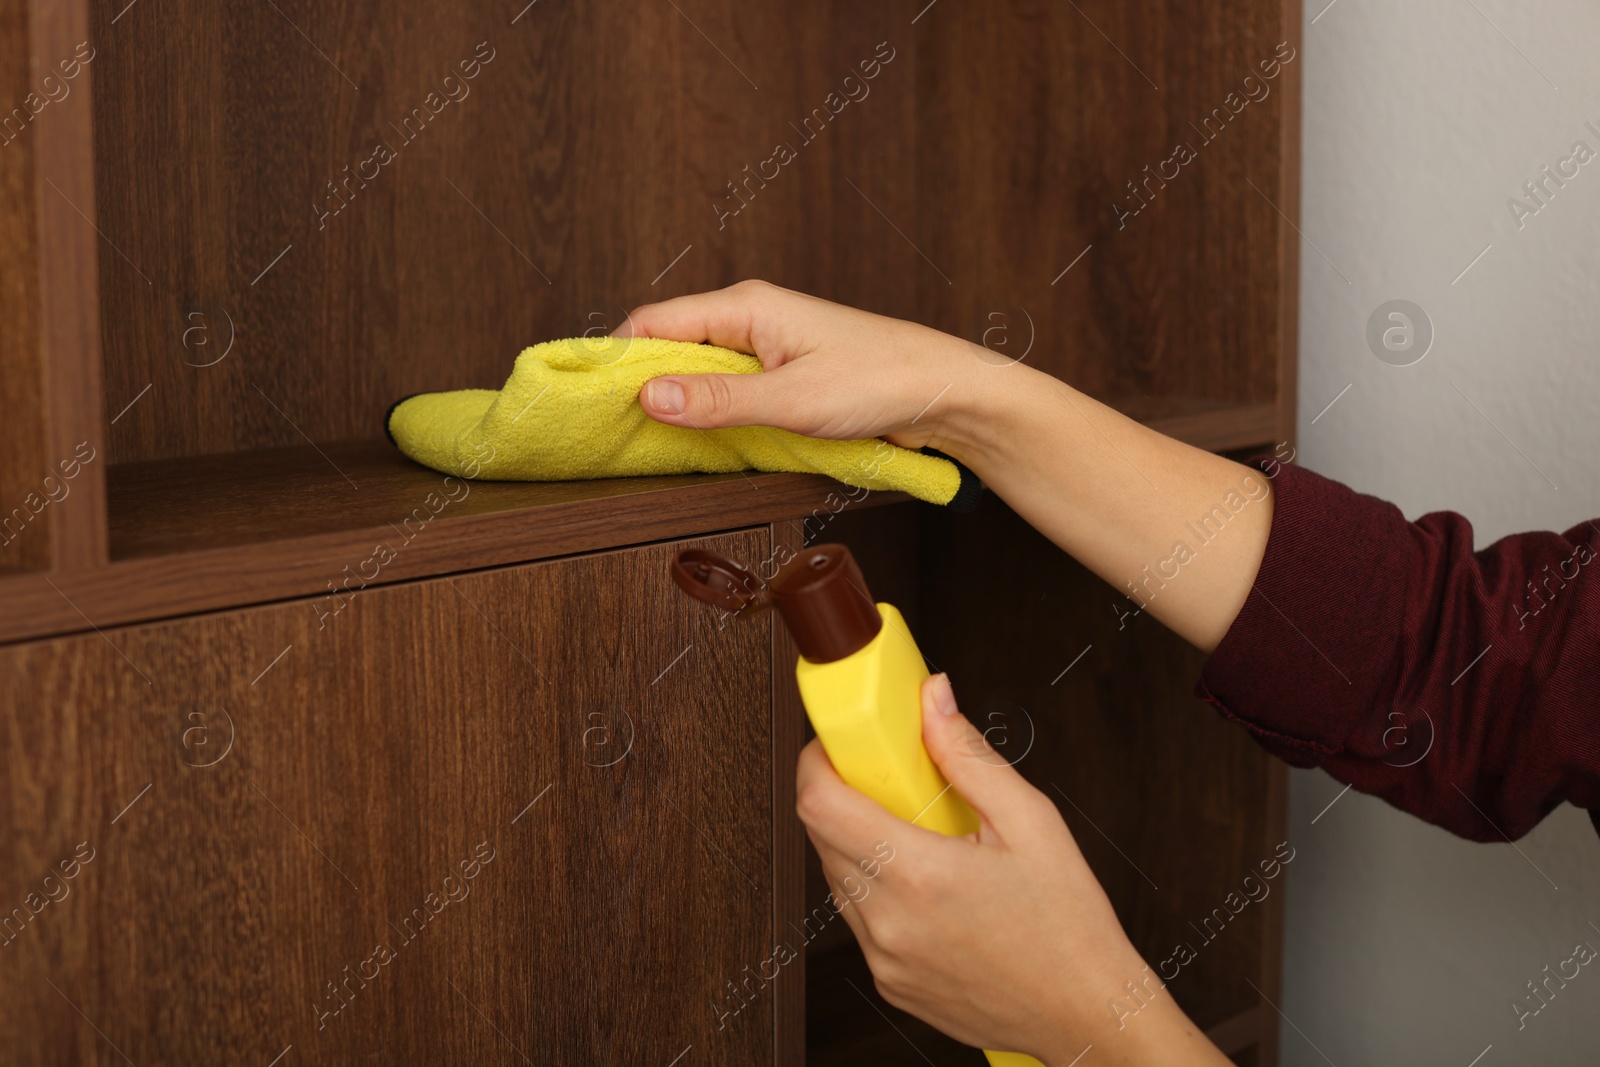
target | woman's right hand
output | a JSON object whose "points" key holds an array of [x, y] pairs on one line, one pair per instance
{"points": [[1113, 493], [830, 371]]}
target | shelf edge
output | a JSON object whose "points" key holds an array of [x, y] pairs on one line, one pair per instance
{"points": [[150, 588]]}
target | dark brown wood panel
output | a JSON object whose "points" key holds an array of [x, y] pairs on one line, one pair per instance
{"points": [[851, 1023], [228, 530], [69, 311], [592, 148], [1288, 289], [24, 451], [542, 205], [52, 461], [1214, 427], [243, 271], [1243, 1032], [789, 846], [289, 494], [1033, 120], [1172, 806], [847, 1020], [609, 749], [864, 210], [407, 522]]}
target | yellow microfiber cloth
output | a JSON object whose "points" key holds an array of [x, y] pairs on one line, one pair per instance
{"points": [[570, 411]]}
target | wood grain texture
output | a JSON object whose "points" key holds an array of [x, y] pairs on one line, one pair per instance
{"points": [[297, 492], [611, 749], [863, 211], [552, 192], [48, 278], [228, 530], [1033, 120], [1289, 260], [1157, 790], [1168, 802], [264, 512], [69, 287], [24, 534], [1212, 427], [601, 158], [789, 844], [851, 1023], [502, 223], [847, 1020]]}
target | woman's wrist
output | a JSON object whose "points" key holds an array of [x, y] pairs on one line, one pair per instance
{"points": [[1126, 501], [1143, 1026], [1096, 1017], [985, 405], [1133, 1023]]}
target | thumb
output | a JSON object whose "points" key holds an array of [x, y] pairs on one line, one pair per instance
{"points": [[713, 401], [969, 763]]}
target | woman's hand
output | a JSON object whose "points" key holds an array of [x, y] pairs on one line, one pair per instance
{"points": [[831, 371], [1124, 500], [1002, 939]]}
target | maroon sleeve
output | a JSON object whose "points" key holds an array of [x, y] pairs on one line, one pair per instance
{"points": [[1460, 686]]}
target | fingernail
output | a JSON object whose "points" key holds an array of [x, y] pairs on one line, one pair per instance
{"points": [[666, 395], [944, 698]]}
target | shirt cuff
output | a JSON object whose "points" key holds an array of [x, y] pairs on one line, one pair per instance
{"points": [[1296, 668]]}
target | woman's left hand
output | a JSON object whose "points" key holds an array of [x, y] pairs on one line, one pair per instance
{"points": [[1002, 939]]}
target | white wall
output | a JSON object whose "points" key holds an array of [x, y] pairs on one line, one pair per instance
{"points": [[1406, 945]]}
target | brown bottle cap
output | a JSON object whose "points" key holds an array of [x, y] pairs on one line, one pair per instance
{"points": [[824, 600], [820, 593], [716, 579]]}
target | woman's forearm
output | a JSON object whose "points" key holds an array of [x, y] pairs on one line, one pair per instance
{"points": [[1178, 530]]}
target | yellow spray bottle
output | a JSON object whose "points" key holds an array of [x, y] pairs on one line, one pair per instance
{"points": [[860, 676]]}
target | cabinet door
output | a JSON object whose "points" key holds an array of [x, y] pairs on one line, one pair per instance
{"points": [[516, 816]]}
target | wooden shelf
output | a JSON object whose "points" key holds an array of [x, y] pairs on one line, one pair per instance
{"points": [[226, 531], [280, 494], [221, 531], [286, 494], [1210, 424], [125, 291]]}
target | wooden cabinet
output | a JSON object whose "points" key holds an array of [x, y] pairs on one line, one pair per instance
{"points": [[272, 745], [525, 811]]}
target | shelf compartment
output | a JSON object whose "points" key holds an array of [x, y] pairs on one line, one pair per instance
{"points": [[209, 532], [195, 504], [273, 495], [1216, 426], [220, 532]]}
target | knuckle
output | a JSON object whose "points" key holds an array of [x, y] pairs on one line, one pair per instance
{"points": [[890, 984], [808, 803], [717, 397], [1041, 810], [853, 888], [763, 298], [914, 881], [888, 932]]}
